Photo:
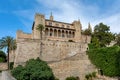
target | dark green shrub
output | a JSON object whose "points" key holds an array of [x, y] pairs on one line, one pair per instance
{"points": [[107, 59], [11, 65], [18, 72], [72, 78], [90, 76], [35, 69], [2, 56], [93, 74], [87, 77]]}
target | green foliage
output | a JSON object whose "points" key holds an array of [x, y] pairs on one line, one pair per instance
{"points": [[87, 77], [40, 27], [72, 78], [11, 65], [2, 56], [9, 43], [107, 59], [18, 72], [87, 32], [94, 43], [35, 69], [90, 76], [118, 39], [93, 74], [103, 35]]}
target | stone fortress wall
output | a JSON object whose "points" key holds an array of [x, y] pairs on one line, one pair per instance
{"points": [[51, 50], [65, 58], [21, 34]]}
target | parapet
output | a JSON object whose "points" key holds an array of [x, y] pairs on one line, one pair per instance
{"points": [[41, 15], [23, 35]]}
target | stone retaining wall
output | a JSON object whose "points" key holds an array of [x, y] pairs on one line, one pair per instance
{"points": [[51, 50], [3, 66]]}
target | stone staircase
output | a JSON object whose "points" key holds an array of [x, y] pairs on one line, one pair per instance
{"points": [[78, 56]]}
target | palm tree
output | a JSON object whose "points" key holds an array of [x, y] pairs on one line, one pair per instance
{"points": [[40, 28], [9, 43]]}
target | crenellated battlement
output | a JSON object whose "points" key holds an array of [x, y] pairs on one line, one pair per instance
{"points": [[21, 34]]}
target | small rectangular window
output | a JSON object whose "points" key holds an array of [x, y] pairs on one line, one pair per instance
{"points": [[68, 26], [57, 24], [50, 23], [63, 26]]}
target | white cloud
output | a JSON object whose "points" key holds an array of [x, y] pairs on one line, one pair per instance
{"points": [[70, 10], [112, 21]]}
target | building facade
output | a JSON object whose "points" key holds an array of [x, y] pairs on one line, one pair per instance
{"points": [[55, 30]]}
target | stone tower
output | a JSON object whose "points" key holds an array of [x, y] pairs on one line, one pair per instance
{"points": [[51, 17], [78, 28], [89, 27], [39, 19]]}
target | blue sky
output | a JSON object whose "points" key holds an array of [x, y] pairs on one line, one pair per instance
{"points": [[19, 14]]}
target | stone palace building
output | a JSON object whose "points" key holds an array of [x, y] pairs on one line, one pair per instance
{"points": [[63, 47]]}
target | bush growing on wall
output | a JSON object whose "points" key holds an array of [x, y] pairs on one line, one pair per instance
{"points": [[72, 78], [35, 69], [90, 76], [107, 59]]}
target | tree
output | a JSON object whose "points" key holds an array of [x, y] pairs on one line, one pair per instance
{"points": [[94, 43], [35, 69], [87, 32], [118, 39], [40, 28], [9, 43], [103, 34], [2, 56], [107, 59]]}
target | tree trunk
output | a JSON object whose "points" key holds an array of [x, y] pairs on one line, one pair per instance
{"points": [[8, 59], [41, 43]]}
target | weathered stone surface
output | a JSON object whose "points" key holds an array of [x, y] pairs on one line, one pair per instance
{"points": [[68, 68], [0, 76], [3, 66], [65, 58], [51, 50], [12, 55], [6, 76], [72, 66]]}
